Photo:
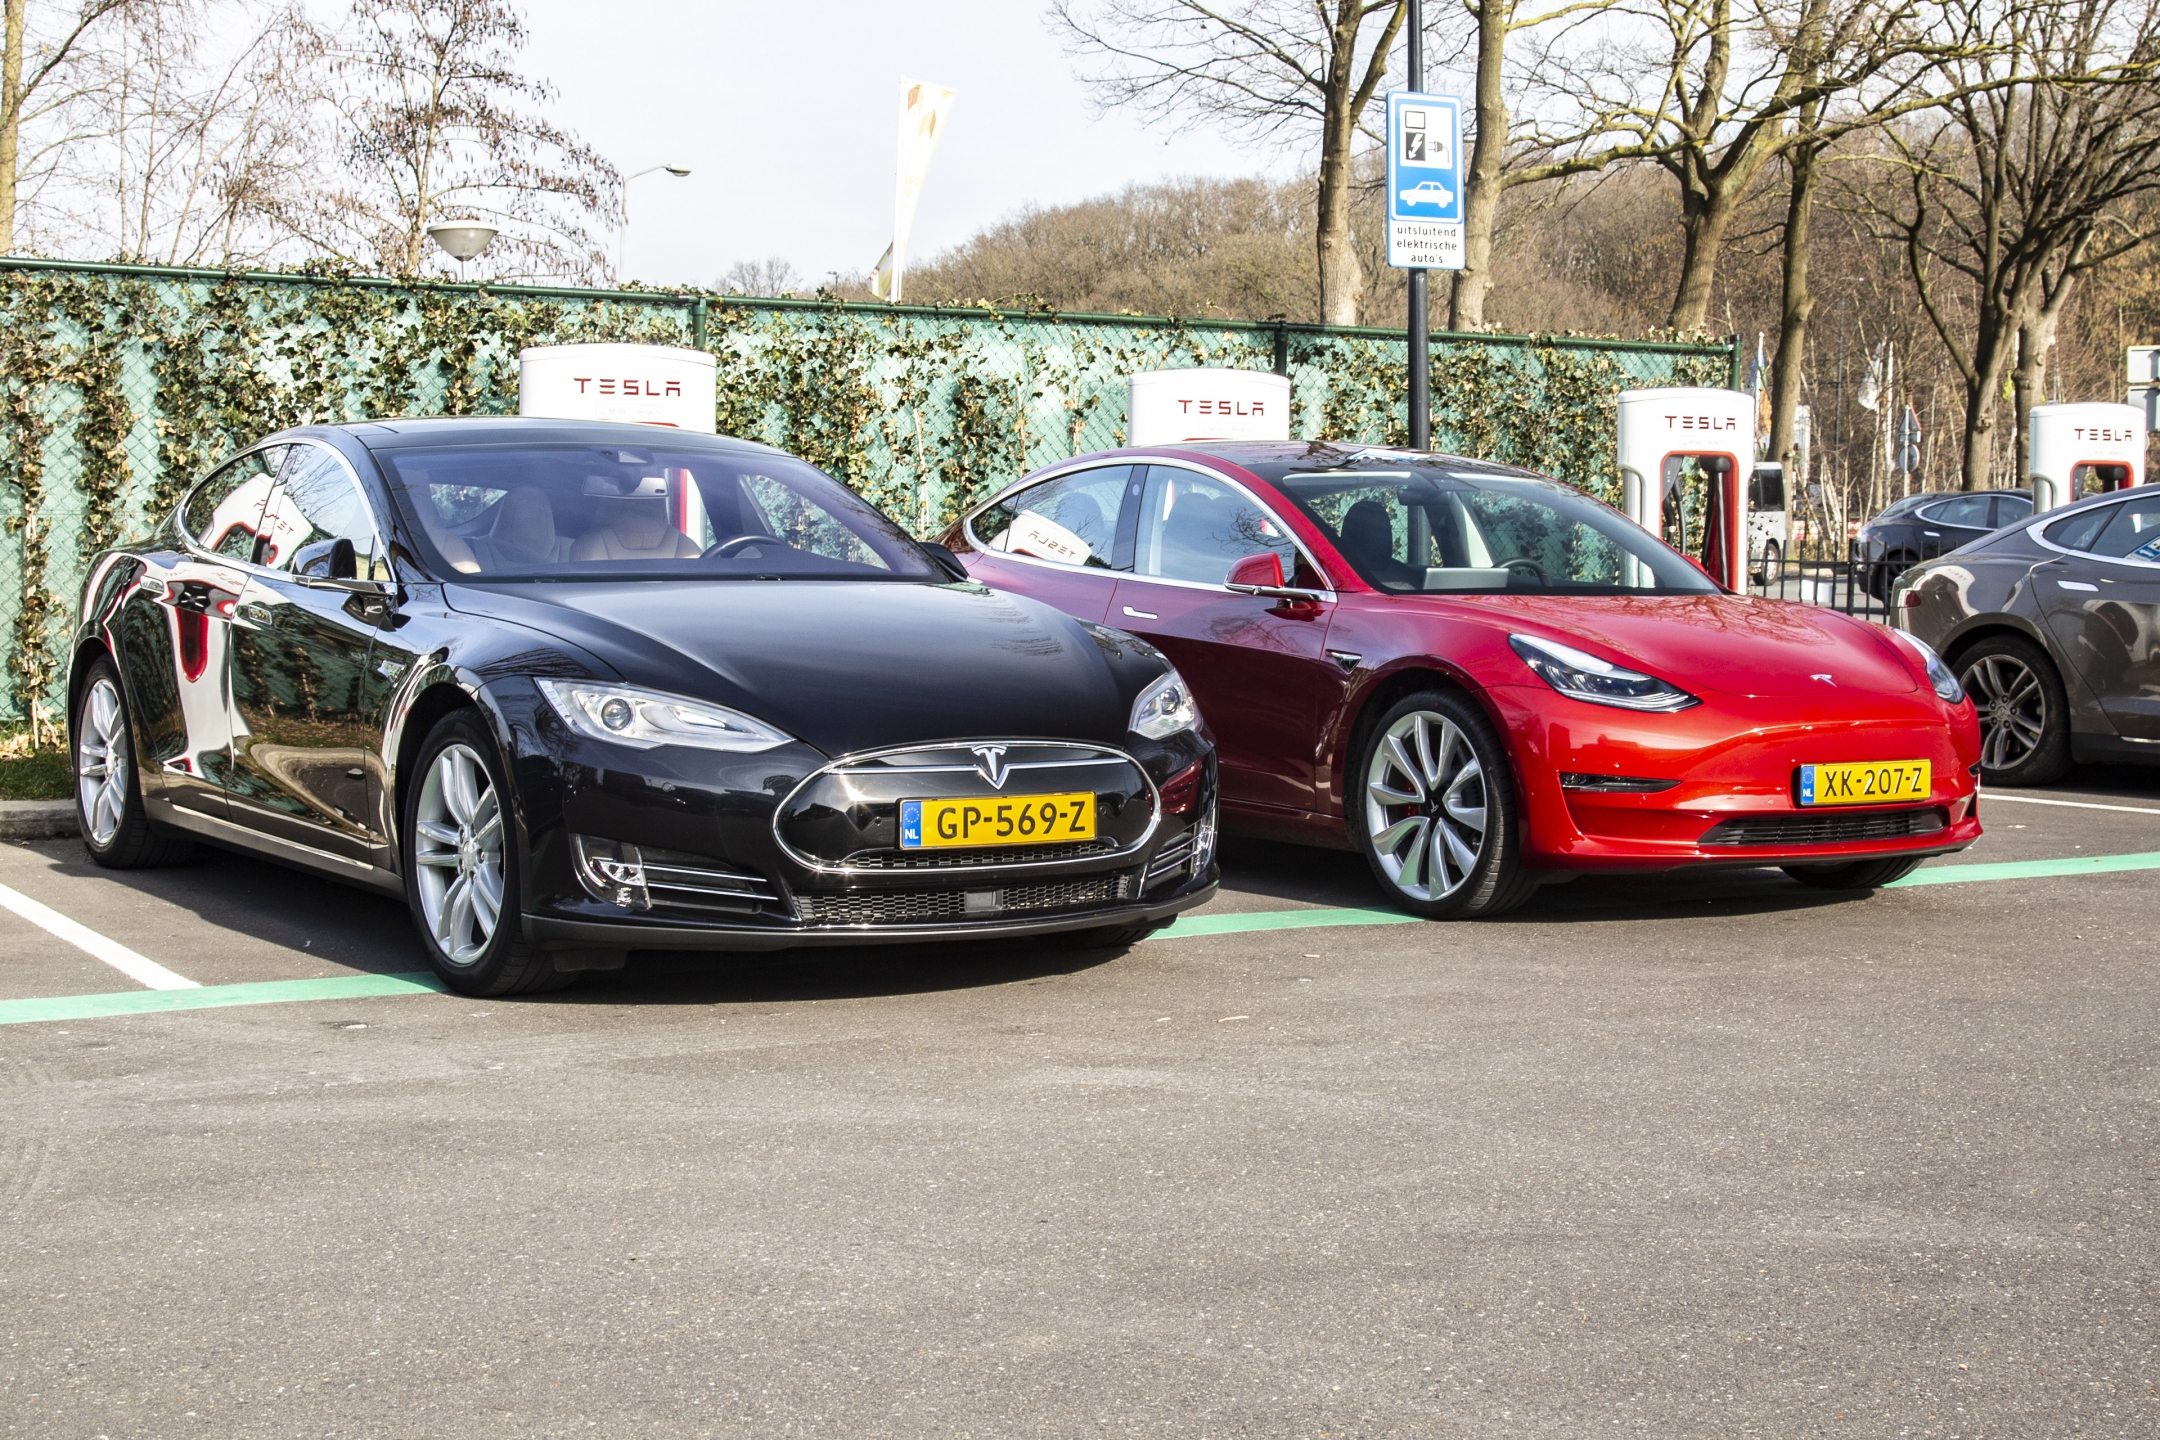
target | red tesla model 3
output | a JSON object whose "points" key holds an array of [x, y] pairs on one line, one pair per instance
{"points": [[1485, 680]]}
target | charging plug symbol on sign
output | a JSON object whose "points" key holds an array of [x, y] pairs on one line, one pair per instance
{"points": [[1425, 229]]}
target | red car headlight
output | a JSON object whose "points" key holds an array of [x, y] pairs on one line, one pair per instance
{"points": [[1583, 676]]}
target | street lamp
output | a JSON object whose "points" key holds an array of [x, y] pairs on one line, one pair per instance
{"points": [[622, 249], [461, 239]]}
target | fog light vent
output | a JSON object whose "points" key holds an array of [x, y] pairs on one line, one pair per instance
{"points": [[1614, 784]]}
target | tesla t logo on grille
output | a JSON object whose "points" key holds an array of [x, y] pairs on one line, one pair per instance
{"points": [[990, 759], [1824, 678]]}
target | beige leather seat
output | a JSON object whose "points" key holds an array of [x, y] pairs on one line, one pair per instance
{"points": [[634, 530]]}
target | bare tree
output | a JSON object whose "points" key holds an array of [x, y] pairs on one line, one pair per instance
{"points": [[771, 276], [31, 68], [1259, 68], [1500, 158], [182, 147], [439, 124], [2012, 192]]}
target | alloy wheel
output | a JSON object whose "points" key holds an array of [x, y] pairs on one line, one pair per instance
{"points": [[101, 761], [2013, 710], [1425, 805], [458, 852]]}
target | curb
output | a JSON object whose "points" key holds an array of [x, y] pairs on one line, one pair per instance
{"points": [[38, 820]]}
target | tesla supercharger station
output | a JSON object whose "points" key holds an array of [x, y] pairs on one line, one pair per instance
{"points": [[644, 384], [1169, 407], [2090, 445], [1660, 431]]}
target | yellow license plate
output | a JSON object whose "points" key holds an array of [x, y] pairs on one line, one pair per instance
{"points": [[1003, 820], [1881, 782]]}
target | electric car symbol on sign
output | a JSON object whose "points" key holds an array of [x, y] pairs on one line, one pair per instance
{"points": [[1483, 679], [575, 689]]}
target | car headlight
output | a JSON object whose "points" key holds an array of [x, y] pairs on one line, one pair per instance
{"points": [[1164, 708], [1582, 676], [644, 719], [1938, 674]]}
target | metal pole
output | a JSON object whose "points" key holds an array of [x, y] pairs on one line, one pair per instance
{"points": [[1420, 362]]}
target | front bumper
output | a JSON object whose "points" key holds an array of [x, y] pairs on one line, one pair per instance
{"points": [[1733, 761], [775, 850]]}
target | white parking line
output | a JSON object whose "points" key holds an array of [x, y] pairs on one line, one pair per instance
{"points": [[139, 968], [2068, 804]]}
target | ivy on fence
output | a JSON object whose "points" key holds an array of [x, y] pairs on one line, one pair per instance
{"points": [[120, 385]]}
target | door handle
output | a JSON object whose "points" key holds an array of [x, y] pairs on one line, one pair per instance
{"points": [[2077, 585], [254, 614], [1141, 614]]}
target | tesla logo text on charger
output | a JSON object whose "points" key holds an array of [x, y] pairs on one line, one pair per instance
{"points": [[658, 390], [2107, 433], [1224, 407], [1701, 422]]}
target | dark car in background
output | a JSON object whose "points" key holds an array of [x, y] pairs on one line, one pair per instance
{"points": [[578, 689], [2054, 628], [1921, 527]]}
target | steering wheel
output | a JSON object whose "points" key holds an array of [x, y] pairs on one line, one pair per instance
{"points": [[1525, 562], [726, 549]]}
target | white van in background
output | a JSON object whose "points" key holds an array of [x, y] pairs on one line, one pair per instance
{"points": [[1769, 528]]}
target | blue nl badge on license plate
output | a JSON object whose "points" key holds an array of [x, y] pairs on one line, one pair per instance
{"points": [[910, 824], [1807, 784]]}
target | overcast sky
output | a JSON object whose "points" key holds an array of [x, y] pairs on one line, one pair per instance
{"points": [[786, 115]]}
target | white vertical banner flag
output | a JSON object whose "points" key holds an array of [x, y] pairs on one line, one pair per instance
{"points": [[923, 108]]}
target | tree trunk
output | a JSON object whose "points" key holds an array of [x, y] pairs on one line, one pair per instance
{"points": [[1342, 278], [11, 58], [1705, 212], [2028, 379], [1796, 304], [1488, 158]]}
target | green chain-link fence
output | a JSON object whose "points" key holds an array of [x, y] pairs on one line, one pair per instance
{"points": [[119, 385]]}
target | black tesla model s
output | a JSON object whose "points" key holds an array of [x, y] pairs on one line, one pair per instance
{"points": [[577, 689]]}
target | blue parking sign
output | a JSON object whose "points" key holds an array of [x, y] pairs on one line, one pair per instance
{"points": [[1424, 181]]}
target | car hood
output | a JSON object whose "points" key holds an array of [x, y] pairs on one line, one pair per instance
{"points": [[848, 666], [1732, 644]]}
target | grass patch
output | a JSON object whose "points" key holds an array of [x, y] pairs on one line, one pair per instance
{"points": [[43, 776]]}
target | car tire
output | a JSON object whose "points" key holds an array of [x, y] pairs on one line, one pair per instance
{"points": [[1106, 937], [2024, 711], [459, 855], [1773, 565], [1855, 874], [116, 827], [1884, 572], [1439, 740]]}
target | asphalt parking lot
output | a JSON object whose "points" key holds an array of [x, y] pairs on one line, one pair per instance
{"points": [[1707, 1157]]}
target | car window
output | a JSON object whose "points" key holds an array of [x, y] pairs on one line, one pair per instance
{"points": [[1071, 520], [2131, 529], [1430, 528], [1766, 490], [317, 500], [1969, 511], [225, 512], [679, 506], [1195, 527], [2009, 509]]}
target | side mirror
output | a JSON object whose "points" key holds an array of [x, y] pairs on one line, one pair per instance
{"points": [[1261, 572], [328, 560]]}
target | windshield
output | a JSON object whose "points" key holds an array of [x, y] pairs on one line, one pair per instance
{"points": [[1426, 527], [675, 509]]}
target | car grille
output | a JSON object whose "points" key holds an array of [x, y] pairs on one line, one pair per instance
{"points": [[1824, 829], [905, 907], [846, 816], [1002, 855]]}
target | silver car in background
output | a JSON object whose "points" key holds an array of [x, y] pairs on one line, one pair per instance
{"points": [[2054, 628]]}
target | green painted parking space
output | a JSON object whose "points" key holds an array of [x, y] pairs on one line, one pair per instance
{"points": [[1191, 927]]}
